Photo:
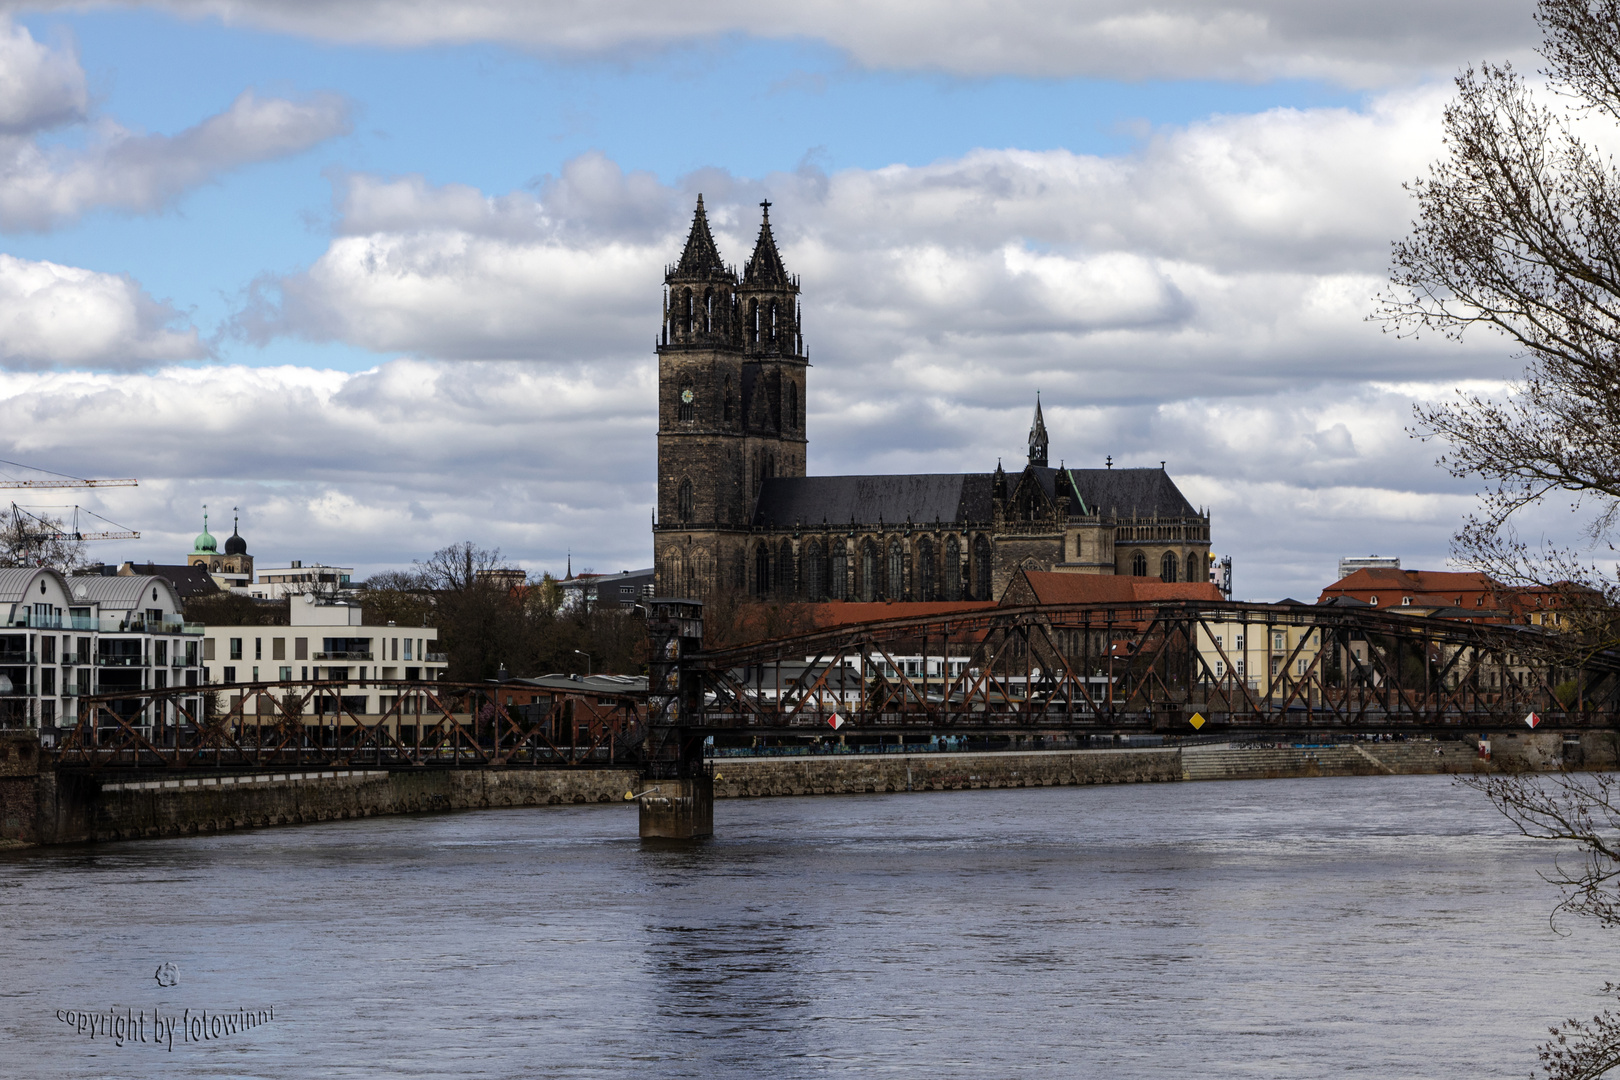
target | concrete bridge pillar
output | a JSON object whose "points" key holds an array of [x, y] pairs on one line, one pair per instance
{"points": [[679, 809]]}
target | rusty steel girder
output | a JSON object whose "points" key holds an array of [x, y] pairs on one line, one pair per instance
{"points": [[1155, 667], [429, 724]]}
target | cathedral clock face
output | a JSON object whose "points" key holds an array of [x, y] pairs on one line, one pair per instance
{"points": [[686, 396]]}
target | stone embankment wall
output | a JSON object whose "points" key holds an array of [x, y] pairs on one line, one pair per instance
{"points": [[858, 773], [40, 805], [160, 806]]}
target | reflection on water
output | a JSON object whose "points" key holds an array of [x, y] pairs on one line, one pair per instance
{"points": [[1386, 926]]}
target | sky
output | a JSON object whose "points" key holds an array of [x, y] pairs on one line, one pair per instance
{"points": [[386, 276]]}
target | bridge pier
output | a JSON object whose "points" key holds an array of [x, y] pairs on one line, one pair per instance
{"points": [[679, 809]]}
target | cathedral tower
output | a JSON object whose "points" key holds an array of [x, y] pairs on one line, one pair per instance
{"points": [[731, 381]]}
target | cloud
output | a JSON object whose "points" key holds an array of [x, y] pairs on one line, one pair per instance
{"points": [[1358, 43], [1232, 255], [63, 316], [40, 88], [41, 187]]}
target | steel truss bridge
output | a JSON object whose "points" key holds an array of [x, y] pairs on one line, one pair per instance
{"points": [[1168, 668], [1111, 668], [427, 725]]}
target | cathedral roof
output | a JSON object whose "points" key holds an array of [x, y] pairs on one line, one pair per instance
{"points": [[837, 500], [765, 269], [923, 498], [701, 259]]}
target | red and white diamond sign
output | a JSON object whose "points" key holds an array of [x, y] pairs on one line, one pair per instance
{"points": [[835, 721], [1532, 719]]}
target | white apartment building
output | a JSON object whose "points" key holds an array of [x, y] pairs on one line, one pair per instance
{"points": [[295, 579], [325, 641], [63, 639]]}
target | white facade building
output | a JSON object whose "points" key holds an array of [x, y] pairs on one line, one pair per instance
{"points": [[63, 639], [325, 641], [296, 579]]}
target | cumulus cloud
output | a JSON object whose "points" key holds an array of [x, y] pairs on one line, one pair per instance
{"points": [[44, 185], [1231, 255], [39, 87], [63, 316], [1354, 42]]}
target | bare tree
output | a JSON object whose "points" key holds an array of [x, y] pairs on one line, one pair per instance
{"points": [[33, 540], [1518, 232]]}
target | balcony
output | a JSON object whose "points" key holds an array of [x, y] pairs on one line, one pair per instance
{"points": [[34, 620], [343, 656], [121, 661], [436, 658], [17, 659]]}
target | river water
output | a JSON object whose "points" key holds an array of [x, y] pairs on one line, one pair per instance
{"points": [[1379, 926]]}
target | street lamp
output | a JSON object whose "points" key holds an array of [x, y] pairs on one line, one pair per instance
{"points": [[587, 656]]}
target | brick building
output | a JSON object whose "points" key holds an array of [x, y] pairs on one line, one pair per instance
{"points": [[736, 510]]}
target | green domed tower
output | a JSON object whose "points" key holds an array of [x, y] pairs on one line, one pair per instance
{"points": [[206, 544]]}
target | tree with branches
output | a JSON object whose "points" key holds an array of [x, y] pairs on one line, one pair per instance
{"points": [[1518, 233]]}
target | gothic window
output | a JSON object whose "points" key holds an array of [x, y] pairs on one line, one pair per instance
{"points": [[897, 572], [683, 502], [840, 571], [1139, 564], [708, 311], [773, 320], [1167, 567], [981, 569], [814, 572], [1193, 571], [952, 569], [728, 400], [688, 410], [686, 309], [784, 570], [762, 570], [793, 405], [925, 569], [753, 321], [866, 587]]}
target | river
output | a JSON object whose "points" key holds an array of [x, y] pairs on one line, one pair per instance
{"points": [[1379, 926]]}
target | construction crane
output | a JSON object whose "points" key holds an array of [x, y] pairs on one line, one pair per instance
{"points": [[62, 480], [33, 527]]}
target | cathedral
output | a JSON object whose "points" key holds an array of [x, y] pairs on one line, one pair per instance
{"points": [[737, 512]]}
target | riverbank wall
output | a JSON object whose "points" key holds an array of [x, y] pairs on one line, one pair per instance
{"points": [[40, 805]]}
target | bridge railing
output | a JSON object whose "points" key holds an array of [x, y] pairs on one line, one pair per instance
{"points": [[305, 722]]}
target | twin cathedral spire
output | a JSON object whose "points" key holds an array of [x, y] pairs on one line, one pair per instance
{"points": [[707, 304]]}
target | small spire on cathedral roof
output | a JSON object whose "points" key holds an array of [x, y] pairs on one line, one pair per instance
{"points": [[701, 258], [1037, 436], [765, 270]]}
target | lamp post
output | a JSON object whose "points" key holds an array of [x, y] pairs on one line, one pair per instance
{"points": [[587, 656]]}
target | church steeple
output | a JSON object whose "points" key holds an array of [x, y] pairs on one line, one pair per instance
{"points": [[1037, 436], [700, 297], [768, 299], [701, 258]]}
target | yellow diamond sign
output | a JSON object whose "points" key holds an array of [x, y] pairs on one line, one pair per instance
{"points": [[1197, 721]]}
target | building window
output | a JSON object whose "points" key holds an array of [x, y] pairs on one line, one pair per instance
{"points": [[1139, 564], [1277, 641], [688, 410], [683, 501], [286, 674], [258, 648], [793, 405], [236, 651], [896, 578], [814, 573], [925, 569], [1220, 668], [784, 570], [952, 570], [1238, 641], [1274, 663], [1300, 668], [981, 567], [278, 648], [762, 570], [1193, 571], [229, 674], [1406, 601], [1237, 666], [1373, 600], [1167, 568], [867, 585], [839, 574], [1218, 643]]}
